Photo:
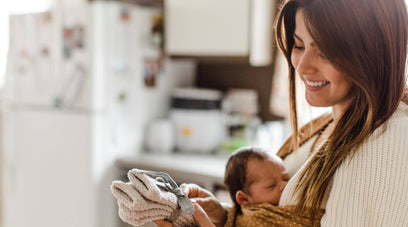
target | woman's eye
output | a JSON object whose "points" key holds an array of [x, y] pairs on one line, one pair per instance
{"points": [[321, 55], [272, 186], [298, 47]]}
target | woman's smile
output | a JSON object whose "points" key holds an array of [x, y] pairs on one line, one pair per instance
{"points": [[315, 85]]}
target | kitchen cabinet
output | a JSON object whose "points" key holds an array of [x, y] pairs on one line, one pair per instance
{"points": [[207, 27], [238, 29]]}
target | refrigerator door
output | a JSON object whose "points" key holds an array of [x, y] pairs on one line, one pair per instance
{"points": [[50, 59], [32, 60], [50, 181]]}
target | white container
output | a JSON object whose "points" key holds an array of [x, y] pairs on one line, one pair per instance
{"points": [[241, 101], [198, 120], [160, 136]]}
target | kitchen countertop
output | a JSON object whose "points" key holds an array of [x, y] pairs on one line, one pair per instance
{"points": [[203, 169]]}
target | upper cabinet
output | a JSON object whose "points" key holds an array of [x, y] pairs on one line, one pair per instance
{"points": [[220, 28], [207, 27]]}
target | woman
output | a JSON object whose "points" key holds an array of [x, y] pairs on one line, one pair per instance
{"points": [[350, 55]]}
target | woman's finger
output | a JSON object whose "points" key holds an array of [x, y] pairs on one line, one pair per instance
{"points": [[201, 217], [162, 223], [193, 191], [207, 201]]}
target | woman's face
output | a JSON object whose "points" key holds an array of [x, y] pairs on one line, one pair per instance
{"points": [[325, 85]]}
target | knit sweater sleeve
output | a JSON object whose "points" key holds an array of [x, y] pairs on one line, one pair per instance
{"points": [[371, 189]]}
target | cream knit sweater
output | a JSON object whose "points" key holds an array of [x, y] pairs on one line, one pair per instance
{"points": [[370, 189]]}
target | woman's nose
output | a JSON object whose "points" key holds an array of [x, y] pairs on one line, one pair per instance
{"points": [[306, 64]]}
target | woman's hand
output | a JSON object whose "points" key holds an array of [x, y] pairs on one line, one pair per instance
{"points": [[207, 201], [199, 215], [162, 223], [208, 211]]}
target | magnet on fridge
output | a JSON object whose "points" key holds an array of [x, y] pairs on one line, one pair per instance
{"points": [[122, 97], [73, 40], [45, 52], [57, 102], [151, 69], [125, 15], [121, 67], [47, 18]]}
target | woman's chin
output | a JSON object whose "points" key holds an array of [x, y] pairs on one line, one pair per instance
{"points": [[317, 103]]}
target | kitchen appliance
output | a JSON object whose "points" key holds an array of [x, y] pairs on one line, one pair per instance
{"points": [[198, 119], [160, 137], [241, 101], [81, 85]]}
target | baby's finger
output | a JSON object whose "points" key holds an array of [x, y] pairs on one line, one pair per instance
{"points": [[201, 217]]}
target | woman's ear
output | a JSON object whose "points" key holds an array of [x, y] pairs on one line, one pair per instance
{"points": [[241, 197]]}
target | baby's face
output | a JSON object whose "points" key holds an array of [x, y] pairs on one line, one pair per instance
{"points": [[267, 179]]}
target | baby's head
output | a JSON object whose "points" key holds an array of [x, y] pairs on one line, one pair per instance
{"points": [[253, 176]]}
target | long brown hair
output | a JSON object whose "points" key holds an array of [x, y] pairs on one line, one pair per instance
{"points": [[366, 40]]}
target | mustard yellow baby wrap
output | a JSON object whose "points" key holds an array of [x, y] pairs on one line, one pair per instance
{"points": [[266, 214], [269, 215]]}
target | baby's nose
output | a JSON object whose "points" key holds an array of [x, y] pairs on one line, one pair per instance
{"points": [[283, 185]]}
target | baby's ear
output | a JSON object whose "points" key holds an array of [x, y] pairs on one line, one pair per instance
{"points": [[241, 197]]}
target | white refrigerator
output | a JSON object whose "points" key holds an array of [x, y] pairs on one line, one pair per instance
{"points": [[81, 85]]}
